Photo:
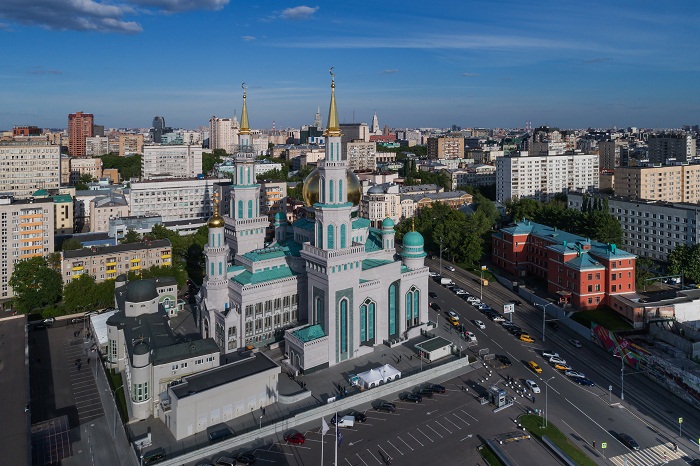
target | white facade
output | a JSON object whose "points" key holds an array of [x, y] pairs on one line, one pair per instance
{"points": [[541, 177], [361, 155], [173, 161], [380, 202], [474, 175], [29, 166], [173, 199], [223, 134], [96, 145]]}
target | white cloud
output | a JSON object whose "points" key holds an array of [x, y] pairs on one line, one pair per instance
{"points": [[389, 71], [470, 75], [299, 12], [91, 15], [248, 38]]}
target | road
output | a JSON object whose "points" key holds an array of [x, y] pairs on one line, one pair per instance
{"points": [[648, 413]]}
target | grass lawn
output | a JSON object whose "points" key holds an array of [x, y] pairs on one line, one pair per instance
{"points": [[605, 317], [115, 381], [488, 455], [533, 424]]}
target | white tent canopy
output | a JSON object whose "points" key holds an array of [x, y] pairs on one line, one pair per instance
{"points": [[378, 376]]}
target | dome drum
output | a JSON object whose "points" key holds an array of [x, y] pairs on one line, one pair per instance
{"points": [[311, 190]]}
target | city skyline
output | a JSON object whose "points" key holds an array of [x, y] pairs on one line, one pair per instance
{"points": [[466, 64]]}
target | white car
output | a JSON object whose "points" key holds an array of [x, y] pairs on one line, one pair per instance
{"points": [[460, 291], [575, 374], [576, 343], [549, 354], [532, 386], [557, 360], [498, 318], [453, 315], [450, 268], [469, 336], [473, 300], [479, 324]]}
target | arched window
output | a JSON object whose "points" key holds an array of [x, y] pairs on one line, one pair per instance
{"points": [[340, 190], [330, 157], [221, 269], [212, 269], [416, 307], [367, 312], [330, 191], [247, 169], [392, 309], [330, 235], [250, 209], [240, 209], [318, 311], [409, 306], [323, 191], [212, 240], [343, 325], [342, 235], [319, 240], [412, 307], [219, 241]]}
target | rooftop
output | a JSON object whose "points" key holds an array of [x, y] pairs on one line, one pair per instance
{"points": [[248, 278], [310, 333], [97, 251], [434, 344]]}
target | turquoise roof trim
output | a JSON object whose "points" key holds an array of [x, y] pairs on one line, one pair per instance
{"points": [[584, 262], [372, 263], [270, 252], [374, 241], [62, 198], [248, 278], [405, 269], [360, 223], [235, 268], [304, 224], [310, 333]]}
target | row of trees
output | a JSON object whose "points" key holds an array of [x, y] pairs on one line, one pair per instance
{"points": [[685, 260], [128, 167]]}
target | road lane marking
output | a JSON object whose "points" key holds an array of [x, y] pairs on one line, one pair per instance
{"points": [[459, 428], [394, 447], [360, 458], [374, 456], [424, 434], [418, 441], [438, 423], [455, 415], [409, 446], [387, 455], [434, 430], [469, 415]]}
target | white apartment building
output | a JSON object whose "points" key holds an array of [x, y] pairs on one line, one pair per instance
{"points": [[171, 161], [26, 231], [474, 175], [174, 199], [541, 177], [80, 166], [96, 145], [651, 228], [381, 201], [223, 134], [26, 167], [361, 155]]}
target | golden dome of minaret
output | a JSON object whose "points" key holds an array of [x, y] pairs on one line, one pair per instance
{"points": [[216, 220]]}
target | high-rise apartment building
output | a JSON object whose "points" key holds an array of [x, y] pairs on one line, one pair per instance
{"points": [[28, 166], [176, 199], [361, 155], [171, 161], [223, 134], [662, 147], [26, 231], [541, 177], [84, 166], [96, 145], [445, 148], [130, 144], [79, 128], [609, 154], [671, 183]]}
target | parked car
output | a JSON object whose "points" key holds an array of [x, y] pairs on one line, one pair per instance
{"points": [[453, 315], [460, 291], [557, 360], [496, 317], [479, 324], [245, 458], [346, 421], [473, 300], [575, 343], [436, 388], [517, 302], [225, 461], [562, 367], [469, 336], [435, 306], [425, 392], [450, 268], [553, 325], [584, 381], [532, 386], [574, 374], [49, 321], [386, 406], [628, 441], [549, 354], [503, 359], [359, 417], [535, 367], [432, 294], [526, 338], [411, 397], [296, 438], [154, 456]]}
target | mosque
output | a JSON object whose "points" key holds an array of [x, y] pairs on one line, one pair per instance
{"points": [[329, 286]]}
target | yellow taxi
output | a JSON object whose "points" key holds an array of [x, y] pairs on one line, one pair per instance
{"points": [[535, 367], [526, 338], [562, 367]]}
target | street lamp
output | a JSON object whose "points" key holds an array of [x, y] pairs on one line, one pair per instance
{"points": [[261, 416], [481, 284], [546, 395], [441, 255], [544, 316], [114, 398]]}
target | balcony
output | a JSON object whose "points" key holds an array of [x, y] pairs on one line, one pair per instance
{"points": [[77, 268], [135, 267], [165, 256], [111, 263], [135, 261]]}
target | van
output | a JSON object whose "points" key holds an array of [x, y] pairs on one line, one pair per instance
{"points": [[225, 461], [219, 435], [346, 421]]}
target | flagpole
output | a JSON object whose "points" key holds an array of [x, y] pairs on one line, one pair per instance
{"points": [[336, 438], [322, 435]]}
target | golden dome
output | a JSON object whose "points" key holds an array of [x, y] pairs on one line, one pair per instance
{"points": [[216, 221], [311, 190]]}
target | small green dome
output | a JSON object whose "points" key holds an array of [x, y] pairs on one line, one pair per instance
{"points": [[413, 239], [281, 216], [387, 223]]}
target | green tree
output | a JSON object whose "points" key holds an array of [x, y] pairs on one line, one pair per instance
{"points": [[685, 260], [643, 270], [71, 244], [128, 167], [83, 182], [35, 284], [131, 237], [209, 159], [79, 295]]}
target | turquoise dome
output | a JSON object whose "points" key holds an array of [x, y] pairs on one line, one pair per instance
{"points": [[413, 239], [387, 223], [281, 216]]}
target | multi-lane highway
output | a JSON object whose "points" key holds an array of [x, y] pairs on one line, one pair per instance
{"points": [[648, 413]]}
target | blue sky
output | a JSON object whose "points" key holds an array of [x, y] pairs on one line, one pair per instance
{"points": [[417, 64]]}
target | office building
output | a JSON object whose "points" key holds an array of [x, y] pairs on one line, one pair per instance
{"points": [[26, 167], [669, 183], [445, 148], [84, 166], [26, 131], [223, 134], [106, 262], [473, 175], [664, 147], [171, 161], [105, 208], [609, 155], [173, 199], [79, 128], [26, 231], [361, 155], [96, 145], [541, 177], [583, 273], [130, 144], [159, 129]]}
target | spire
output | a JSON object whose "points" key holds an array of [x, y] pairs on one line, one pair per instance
{"points": [[333, 128], [216, 220], [245, 129], [413, 224]]}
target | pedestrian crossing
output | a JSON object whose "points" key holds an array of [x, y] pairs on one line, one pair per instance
{"points": [[652, 456]]}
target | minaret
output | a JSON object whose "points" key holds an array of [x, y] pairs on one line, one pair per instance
{"points": [[375, 125], [216, 252], [245, 226], [333, 222]]}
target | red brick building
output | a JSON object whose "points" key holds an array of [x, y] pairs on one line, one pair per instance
{"points": [[26, 131], [79, 128], [582, 272]]}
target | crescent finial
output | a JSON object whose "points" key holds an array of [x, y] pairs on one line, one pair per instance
{"points": [[331, 71], [243, 86]]}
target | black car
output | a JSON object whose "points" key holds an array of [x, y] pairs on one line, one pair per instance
{"points": [[359, 417], [517, 302], [628, 441], [435, 306], [432, 294], [584, 381], [426, 392], [553, 325], [503, 359], [412, 397], [386, 406], [436, 388], [245, 458]]}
